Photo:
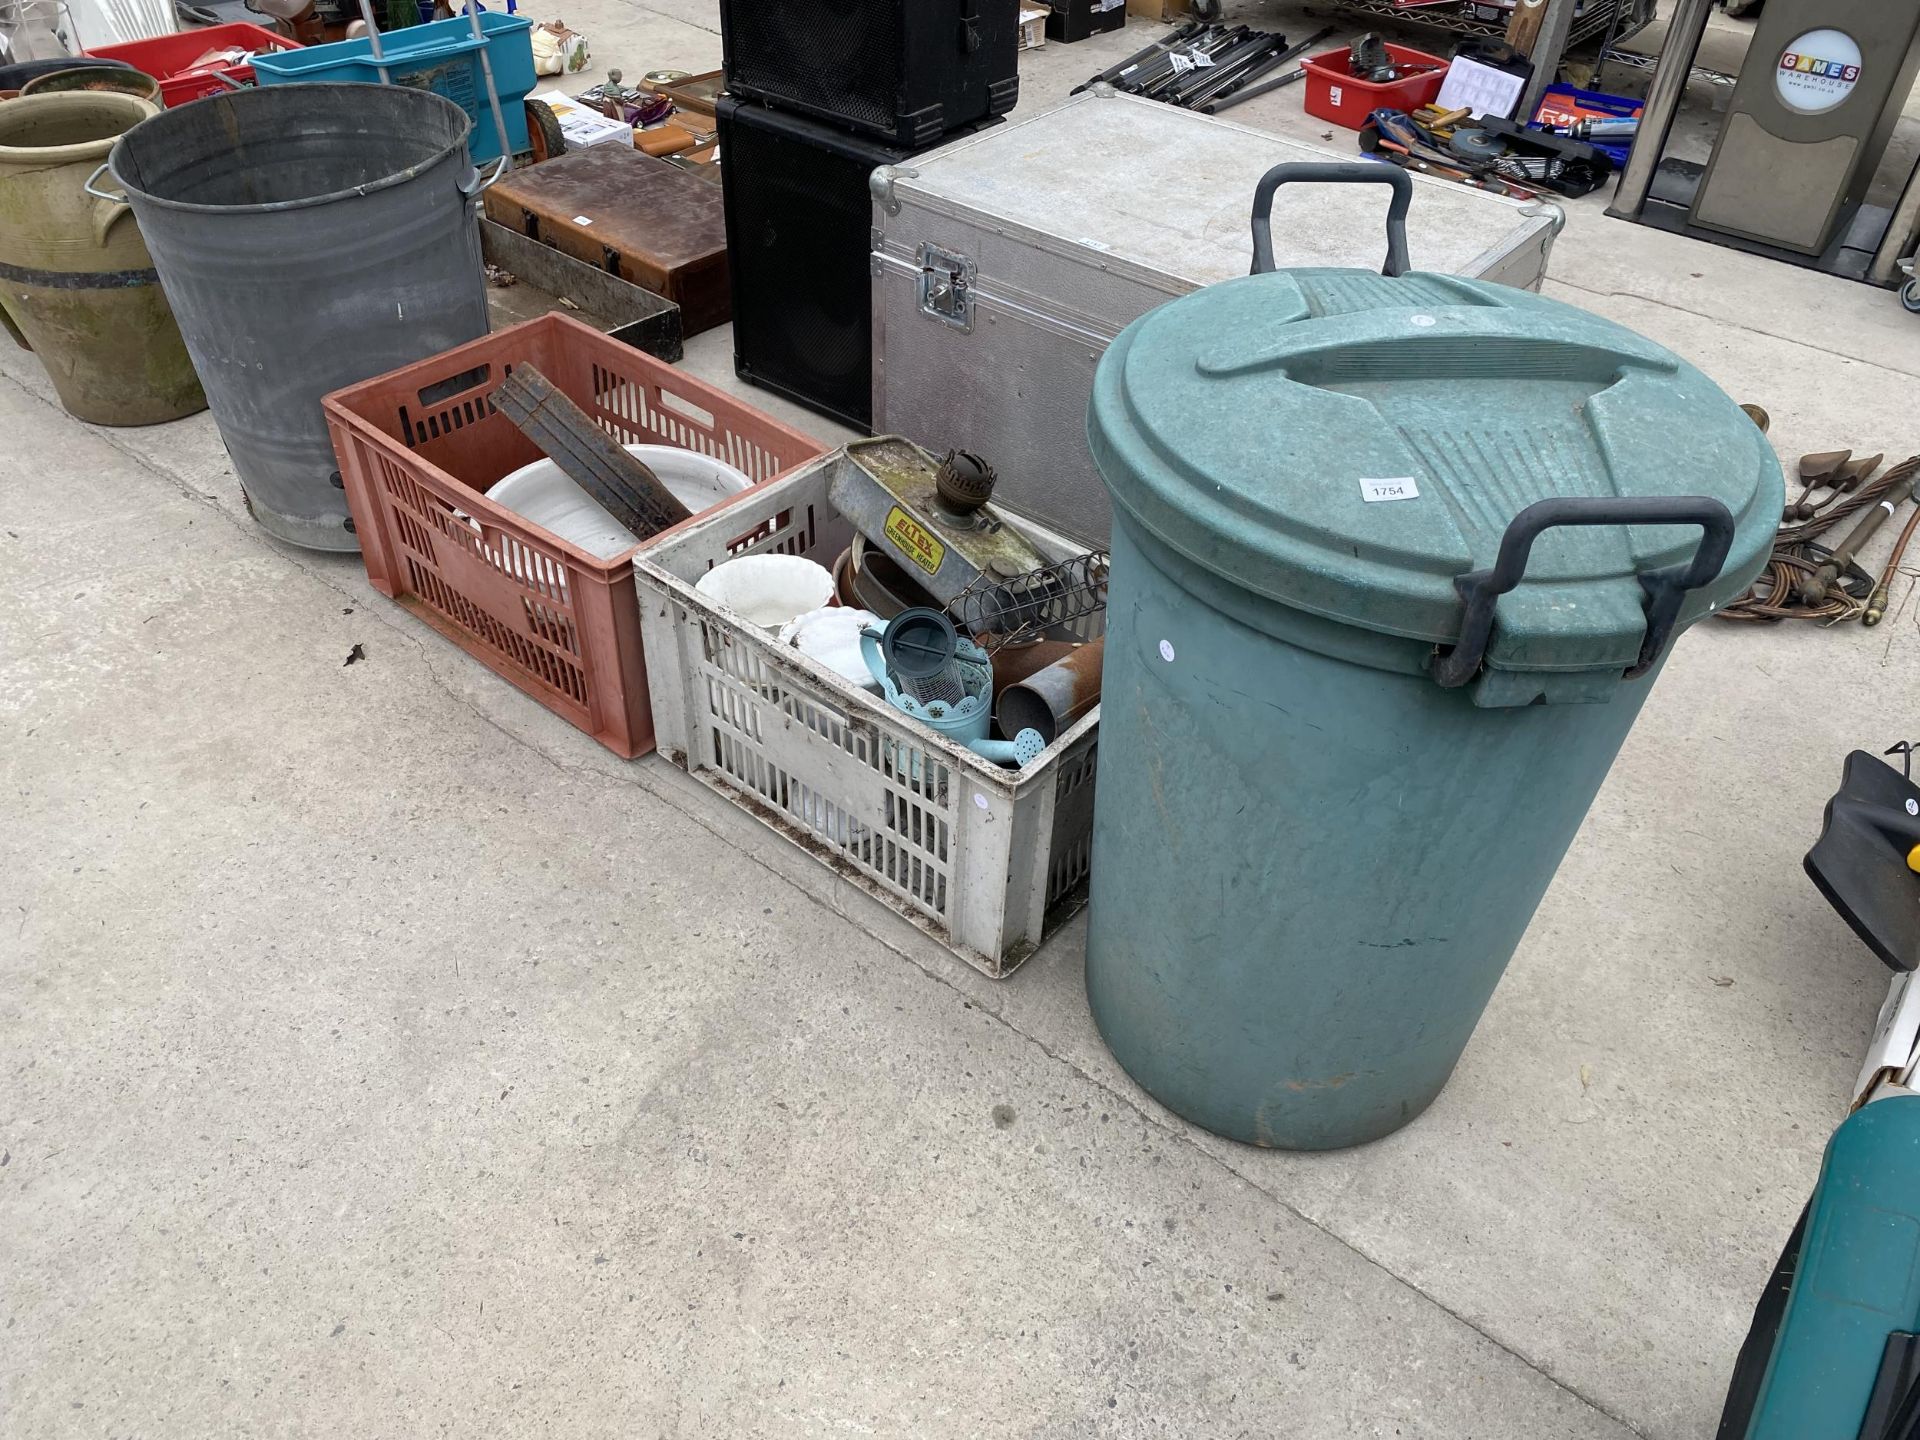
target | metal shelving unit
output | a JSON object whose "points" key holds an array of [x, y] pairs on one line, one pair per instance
{"points": [[1633, 60], [1592, 25], [1607, 21]]}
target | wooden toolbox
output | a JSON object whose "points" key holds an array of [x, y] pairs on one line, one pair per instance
{"points": [[650, 223]]}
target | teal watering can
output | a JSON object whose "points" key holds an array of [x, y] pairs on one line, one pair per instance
{"points": [[1834, 1351], [927, 670]]}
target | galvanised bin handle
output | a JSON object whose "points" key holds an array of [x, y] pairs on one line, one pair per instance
{"points": [[474, 184], [88, 184], [1666, 589], [1335, 172], [116, 207]]}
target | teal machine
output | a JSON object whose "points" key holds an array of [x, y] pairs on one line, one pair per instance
{"points": [[1834, 1352]]}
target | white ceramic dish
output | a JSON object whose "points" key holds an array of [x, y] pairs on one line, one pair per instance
{"points": [[543, 494], [768, 590], [832, 636]]}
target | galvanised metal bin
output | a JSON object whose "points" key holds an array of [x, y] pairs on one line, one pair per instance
{"points": [[1396, 561], [307, 237]]}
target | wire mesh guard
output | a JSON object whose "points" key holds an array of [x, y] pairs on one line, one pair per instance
{"points": [[1041, 604], [944, 689], [921, 652], [958, 689], [1488, 19]]}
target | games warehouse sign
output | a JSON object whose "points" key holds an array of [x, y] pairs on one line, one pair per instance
{"points": [[1818, 71]]}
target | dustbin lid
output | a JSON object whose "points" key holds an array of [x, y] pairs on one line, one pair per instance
{"points": [[1347, 444]]}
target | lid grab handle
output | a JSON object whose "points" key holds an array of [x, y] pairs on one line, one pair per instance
{"points": [[1665, 589], [1334, 172]]}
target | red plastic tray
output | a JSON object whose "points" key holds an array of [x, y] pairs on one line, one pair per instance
{"points": [[167, 58], [1336, 96]]}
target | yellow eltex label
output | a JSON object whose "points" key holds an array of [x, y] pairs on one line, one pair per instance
{"points": [[916, 542]]}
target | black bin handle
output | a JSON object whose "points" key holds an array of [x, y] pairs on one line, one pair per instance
{"points": [[1665, 589], [1334, 172]]}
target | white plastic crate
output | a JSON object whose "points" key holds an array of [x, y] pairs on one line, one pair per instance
{"points": [[985, 859]]}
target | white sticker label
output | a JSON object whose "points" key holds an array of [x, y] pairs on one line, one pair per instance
{"points": [[1333, 95], [1095, 244], [1913, 806], [1402, 488], [980, 801], [1818, 71], [1166, 651], [1181, 64], [1424, 322], [583, 219], [1202, 60]]}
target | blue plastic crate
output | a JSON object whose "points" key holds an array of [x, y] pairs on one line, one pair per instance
{"points": [[442, 57]]}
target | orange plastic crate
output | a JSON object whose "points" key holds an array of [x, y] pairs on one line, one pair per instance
{"points": [[418, 448]]}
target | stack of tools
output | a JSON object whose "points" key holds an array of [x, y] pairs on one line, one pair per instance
{"points": [[1811, 580], [1208, 68], [1611, 122], [959, 582], [1489, 153]]}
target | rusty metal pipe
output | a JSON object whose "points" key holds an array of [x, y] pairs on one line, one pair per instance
{"points": [[1014, 663], [1877, 603], [1050, 700]]}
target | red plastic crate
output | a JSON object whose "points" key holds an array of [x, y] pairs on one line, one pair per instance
{"points": [[167, 57], [1336, 96], [418, 448]]}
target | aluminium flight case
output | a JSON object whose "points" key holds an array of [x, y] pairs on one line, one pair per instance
{"points": [[1005, 264]]}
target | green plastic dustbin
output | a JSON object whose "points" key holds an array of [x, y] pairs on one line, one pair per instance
{"points": [[1396, 560]]}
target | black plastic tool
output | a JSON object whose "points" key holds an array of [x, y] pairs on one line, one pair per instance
{"points": [[1860, 861]]}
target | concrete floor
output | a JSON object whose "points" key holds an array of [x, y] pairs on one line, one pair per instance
{"points": [[380, 1057]]}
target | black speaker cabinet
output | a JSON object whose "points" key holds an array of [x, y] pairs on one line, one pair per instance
{"points": [[903, 71], [799, 231], [1070, 21]]}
